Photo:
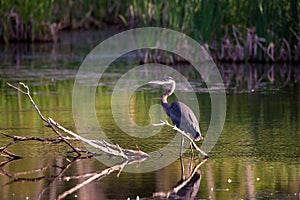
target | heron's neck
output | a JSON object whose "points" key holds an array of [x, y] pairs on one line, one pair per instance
{"points": [[168, 93]]}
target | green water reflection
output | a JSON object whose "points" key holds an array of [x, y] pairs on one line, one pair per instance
{"points": [[256, 157], [258, 149]]}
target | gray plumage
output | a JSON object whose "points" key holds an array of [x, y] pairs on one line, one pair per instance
{"points": [[180, 114]]}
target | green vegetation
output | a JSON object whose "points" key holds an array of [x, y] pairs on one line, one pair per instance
{"points": [[269, 25], [36, 20], [273, 19]]}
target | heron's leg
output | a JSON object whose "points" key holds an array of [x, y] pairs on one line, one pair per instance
{"points": [[191, 146], [182, 169], [181, 145], [191, 162]]}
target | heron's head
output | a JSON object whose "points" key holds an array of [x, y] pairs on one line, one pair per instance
{"points": [[168, 80]]}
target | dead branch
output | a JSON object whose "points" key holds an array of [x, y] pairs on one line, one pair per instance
{"points": [[184, 134], [104, 146], [35, 179], [4, 152], [130, 156], [27, 92], [94, 176], [48, 121], [87, 175], [3, 163], [97, 176], [58, 176], [65, 140], [15, 178]]}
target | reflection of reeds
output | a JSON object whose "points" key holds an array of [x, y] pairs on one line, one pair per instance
{"points": [[248, 77], [250, 48]]}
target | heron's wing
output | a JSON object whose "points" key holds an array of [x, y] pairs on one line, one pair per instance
{"points": [[184, 118], [174, 113]]}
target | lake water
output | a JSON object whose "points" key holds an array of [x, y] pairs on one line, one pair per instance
{"points": [[256, 157]]}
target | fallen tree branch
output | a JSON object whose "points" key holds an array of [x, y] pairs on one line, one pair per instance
{"points": [[184, 134], [96, 176], [15, 178], [130, 156], [10, 159], [58, 176], [16, 139], [104, 146], [101, 174], [27, 92]]}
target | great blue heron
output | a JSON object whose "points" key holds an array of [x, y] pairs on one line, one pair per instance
{"points": [[181, 115]]}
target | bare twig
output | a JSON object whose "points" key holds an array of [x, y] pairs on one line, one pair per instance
{"points": [[15, 176], [16, 139], [58, 176], [48, 121], [62, 137], [27, 92], [32, 171], [95, 176], [130, 156], [10, 159], [104, 146], [87, 175], [184, 134]]}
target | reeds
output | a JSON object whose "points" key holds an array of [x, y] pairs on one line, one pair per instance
{"points": [[207, 18], [25, 20], [36, 20], [234, 30], [208, 21]]}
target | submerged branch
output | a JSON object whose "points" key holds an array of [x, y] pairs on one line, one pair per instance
{"points": [[95, 176], [15, 176], [58, 176]]}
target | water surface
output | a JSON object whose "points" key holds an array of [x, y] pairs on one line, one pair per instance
{"points": [[256, 157]]}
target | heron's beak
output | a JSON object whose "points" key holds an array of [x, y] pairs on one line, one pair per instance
{"points": [[156, 82]]}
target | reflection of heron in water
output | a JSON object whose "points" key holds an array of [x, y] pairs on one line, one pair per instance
{"points": [[186, 188], [181, 115]]}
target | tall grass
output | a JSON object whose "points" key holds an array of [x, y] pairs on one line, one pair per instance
{"points": [[31, 20], [205, 20]]}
